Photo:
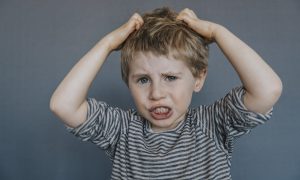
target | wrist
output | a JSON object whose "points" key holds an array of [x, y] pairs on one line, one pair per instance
{"points": [[105, 45], [217, 32]]}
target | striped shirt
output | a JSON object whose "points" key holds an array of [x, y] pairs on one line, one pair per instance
{"points": [[200, 147]]}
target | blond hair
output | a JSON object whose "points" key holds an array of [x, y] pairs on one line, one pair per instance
{"points": [[163, 34]]}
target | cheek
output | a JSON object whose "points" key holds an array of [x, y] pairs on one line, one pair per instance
{"points": [[182, 95], [138, 95]]}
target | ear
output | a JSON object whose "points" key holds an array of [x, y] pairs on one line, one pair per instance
{"points": [[200, 80]]}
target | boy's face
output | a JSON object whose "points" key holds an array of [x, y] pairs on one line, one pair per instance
{"points": [[162, 89]]}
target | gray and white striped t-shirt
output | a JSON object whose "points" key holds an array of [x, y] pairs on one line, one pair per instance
{"points": [[200, 147]]}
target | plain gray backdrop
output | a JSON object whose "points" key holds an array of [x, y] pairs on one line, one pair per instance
{"points": [[40, 41]]}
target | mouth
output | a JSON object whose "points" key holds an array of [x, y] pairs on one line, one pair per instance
{"points": [[160, 112]]}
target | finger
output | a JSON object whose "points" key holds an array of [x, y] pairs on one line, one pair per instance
{"points": [[184, 14], [188, 12], [184, 17], [140, 20], [181, 16], [185, 10], [138, 25], [137, 17], [137, 21], [131, 23], [193, 14]]}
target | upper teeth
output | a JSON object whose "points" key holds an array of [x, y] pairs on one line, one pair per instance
{"points": [[161, 110]]}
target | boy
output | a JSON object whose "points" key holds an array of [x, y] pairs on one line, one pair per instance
{"points": [[164, 60]]}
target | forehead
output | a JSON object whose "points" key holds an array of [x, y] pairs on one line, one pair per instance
{"points": [[150, 63]]}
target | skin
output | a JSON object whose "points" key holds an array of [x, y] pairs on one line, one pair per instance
{"points": [[68, 101], [162, 83], [263, 86]]}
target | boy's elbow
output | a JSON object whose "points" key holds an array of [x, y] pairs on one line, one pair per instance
{"points": [[68, 115], [53, 105], [54, 108], [57, 107], [274, 91], [62, 113], [262, 102], [277, 88]]}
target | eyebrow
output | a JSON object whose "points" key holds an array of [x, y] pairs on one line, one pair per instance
{"points": [[169, 73], [138, 75]]}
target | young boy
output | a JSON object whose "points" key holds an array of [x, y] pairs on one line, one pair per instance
{"points": [[164, 60]]}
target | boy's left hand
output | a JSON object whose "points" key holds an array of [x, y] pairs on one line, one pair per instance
{"points": [[263, 86], [204, 28]]}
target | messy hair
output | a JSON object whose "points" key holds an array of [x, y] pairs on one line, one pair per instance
{"points": [[163, 34]]}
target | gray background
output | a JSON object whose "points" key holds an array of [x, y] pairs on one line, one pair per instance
{"points": [[41, 40]]}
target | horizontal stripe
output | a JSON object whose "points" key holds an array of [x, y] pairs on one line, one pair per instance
{"points": [[199, 148]]}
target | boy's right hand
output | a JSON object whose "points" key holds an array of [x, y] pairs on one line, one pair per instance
{"points": [[115, 39], [68, 101]]}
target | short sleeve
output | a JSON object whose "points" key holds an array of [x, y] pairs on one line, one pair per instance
{"points": [[103, 126], [230, 119]]}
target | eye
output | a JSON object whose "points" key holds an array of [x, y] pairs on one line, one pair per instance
{"points": [[171, 78], [143, 80]]}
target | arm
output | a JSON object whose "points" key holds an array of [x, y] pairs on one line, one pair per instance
{"points": [[263, 86], [68, 101]]}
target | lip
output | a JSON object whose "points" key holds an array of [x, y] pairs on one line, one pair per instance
{"points": [[160, 115]]}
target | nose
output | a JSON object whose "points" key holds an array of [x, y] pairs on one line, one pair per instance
{"points": [[157, 92]]}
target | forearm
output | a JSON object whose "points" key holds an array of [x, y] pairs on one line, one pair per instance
{"points": [[68, 101], [263, 86], [72, 91], [260, 81]]}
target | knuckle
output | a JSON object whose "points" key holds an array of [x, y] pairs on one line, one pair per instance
{"points": [[136, 15]]}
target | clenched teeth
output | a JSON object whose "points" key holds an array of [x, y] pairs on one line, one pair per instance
{"points": [[161, 110]]}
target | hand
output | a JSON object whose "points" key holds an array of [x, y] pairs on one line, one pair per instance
{"points": [[115, 39], [204, 28]]}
